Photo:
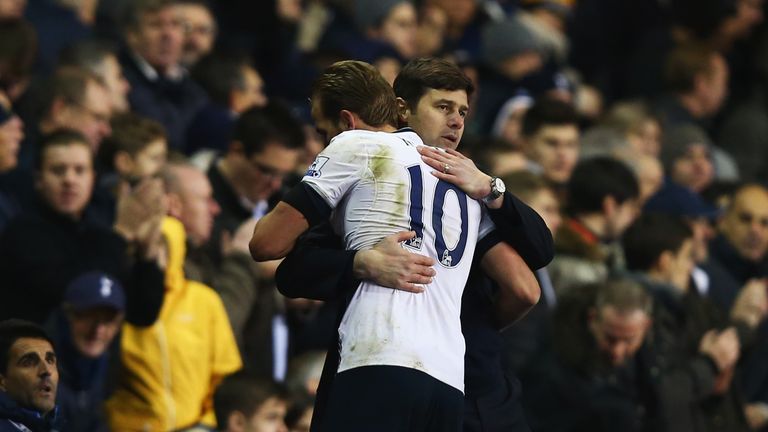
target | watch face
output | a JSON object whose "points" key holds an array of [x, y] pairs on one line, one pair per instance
{"points": [[499, 185]]}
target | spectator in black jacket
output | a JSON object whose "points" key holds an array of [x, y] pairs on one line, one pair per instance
{"points": [[695, 348], [594, 377], [161, 88], [41, 252]]}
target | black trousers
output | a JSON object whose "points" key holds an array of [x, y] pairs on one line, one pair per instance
{"points": [[392, 399], [496, 411]]}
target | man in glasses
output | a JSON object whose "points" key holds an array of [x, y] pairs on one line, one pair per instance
{"points": [[199, 30], [264, 150]]}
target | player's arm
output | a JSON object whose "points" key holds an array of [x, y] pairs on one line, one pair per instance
{"points": [[518, 224], [276, 233], [519, 290], [310, 202]]}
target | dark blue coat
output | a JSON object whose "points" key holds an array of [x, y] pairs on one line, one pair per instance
{"points": [[14, 418], [172, 103]]}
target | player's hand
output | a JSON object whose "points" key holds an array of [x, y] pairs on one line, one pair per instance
{"points": [[389, 264], [461, 171]]}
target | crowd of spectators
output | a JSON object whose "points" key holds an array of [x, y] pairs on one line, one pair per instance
{"points": [[141, 140]]}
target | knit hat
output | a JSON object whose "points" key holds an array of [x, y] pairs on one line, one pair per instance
{"points": [[680, 201], [678, 139], [504, 39], [370, 13]]}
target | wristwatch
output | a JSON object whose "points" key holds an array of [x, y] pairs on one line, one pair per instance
{"points": [[497, 189]]}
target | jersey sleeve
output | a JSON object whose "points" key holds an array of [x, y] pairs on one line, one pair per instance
{"points": [[486, 224], [338, 168], [487, 236]]}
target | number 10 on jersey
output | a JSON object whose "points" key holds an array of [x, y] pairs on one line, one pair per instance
{"points": [[447, 257]]}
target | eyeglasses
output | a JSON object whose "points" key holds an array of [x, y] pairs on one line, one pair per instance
{"points": [[269, 171], [201, 29]]}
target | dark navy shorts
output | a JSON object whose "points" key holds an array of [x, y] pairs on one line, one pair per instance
{"points": [[391, 399]]}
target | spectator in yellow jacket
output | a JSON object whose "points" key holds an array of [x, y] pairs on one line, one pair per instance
{"points": [[171, 369]]}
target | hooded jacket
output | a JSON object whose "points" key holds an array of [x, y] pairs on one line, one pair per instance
{"points": [[171, 369]]}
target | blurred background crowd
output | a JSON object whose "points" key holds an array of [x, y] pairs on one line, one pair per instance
{"points": [[140, 140]]}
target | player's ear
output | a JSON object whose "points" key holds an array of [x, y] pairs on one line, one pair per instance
{"points": [[347, 120], [236, 147], [403, 112]]}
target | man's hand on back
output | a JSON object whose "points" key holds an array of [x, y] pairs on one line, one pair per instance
{"points": [[389, 264]]}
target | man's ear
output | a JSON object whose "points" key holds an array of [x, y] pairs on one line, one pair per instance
{"points": [[591, 315], [2, 383], [648, 323], [347, 120], [58, 106], [236, 147], [123, 162], [664, 261], [403, 112], [609, 206], [175, 205], [236, 422]]}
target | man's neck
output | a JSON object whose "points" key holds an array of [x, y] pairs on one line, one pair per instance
{"points": [[692, 105], [660, 278], [154, 72], [595, 223]]}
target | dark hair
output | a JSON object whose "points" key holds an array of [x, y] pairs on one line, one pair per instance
{"points": [[134, 13], [597, 178], [68, 84], [548, 112], [650, 235], [299, 405], [420, 75], [358, 87], [14, 329], [18, 50], [60, 137], [623, 294], [88, 54], [274, 123], [684, 63], [220, 73], [131, 133], [244, 393]]}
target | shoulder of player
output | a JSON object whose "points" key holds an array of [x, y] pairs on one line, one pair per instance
{"points": [[365, 141]]}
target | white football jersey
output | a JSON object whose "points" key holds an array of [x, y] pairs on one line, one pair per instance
{"points": [[378, 185]]}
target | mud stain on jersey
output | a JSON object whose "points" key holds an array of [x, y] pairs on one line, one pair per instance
{"points": [[381, 164]]}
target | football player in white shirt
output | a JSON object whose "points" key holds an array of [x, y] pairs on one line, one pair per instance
{"points": [[406, 348]]}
